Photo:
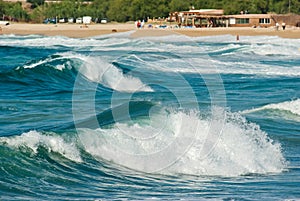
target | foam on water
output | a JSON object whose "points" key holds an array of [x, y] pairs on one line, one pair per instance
{"points": [[51, 141], [241, 147], [98, 70], [60, 41], [85, 163], [41, 62], [48, 60], [211, 65], [249, 57], [39, 41], [257, 48], [255, 68], [173, 37], [292, 107]]}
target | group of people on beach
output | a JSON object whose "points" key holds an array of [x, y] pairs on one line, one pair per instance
{"points": [[139, 24], [277, 26]]}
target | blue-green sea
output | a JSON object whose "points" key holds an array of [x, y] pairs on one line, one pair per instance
{"points": [[156, 118]]}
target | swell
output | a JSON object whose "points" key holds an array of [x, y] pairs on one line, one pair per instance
{"points": [[121, 113], [48, 73], [289, 110], [62, 67], [29, 96], [25, 167], [241, 148], [12, 56]]}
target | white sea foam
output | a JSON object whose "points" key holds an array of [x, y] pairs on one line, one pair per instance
{"points": [[59, 41], [260, 47], [173, 37], [41, 62], [177, 143], [50, 141], [196, 59], [38, 41], [292, 106], [33, 65], [98, 70], [48, 60], [209, 65]]}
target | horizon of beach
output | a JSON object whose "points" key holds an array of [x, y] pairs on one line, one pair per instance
{"points": [[83, 31]]}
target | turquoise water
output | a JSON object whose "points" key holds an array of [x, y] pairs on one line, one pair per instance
{"points": [[174, 117]]}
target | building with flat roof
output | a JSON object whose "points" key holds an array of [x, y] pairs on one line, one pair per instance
{"points": [[216, 18]]}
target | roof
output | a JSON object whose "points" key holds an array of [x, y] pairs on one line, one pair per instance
{"points": [[250, 16], [204, 12]]}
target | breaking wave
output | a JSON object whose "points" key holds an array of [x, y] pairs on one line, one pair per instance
{"points": [[169, 143], [240, 148], [287, 109], [33, 140], [94, 69], [97, 70]]}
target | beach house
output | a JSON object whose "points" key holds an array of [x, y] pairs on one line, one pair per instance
{"points": [[216, 18], [251, 20], [200, 18]]}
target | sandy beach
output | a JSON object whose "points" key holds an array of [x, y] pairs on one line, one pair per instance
{"points": [[80, 31]]}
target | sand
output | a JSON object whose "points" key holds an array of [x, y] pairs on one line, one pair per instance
{"points": [[80, 31]]}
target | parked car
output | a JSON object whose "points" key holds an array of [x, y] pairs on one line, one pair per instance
{"points": [[79, 20], [103, 21], [49, 20], [4, 23], [86, 19], [71, 20], [61, 20]]}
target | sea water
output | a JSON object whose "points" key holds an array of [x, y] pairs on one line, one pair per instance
{"points": [[174, 117]]}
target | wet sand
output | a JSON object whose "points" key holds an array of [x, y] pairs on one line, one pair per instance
{"points": [[81, 31]]}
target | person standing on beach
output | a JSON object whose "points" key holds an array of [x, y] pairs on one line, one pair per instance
{"points": [[142, 24], [283, 25], [139, 24], [277, 26]]}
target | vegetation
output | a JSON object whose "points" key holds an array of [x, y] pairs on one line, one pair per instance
{"points": [[13, 11], [131, 10]]}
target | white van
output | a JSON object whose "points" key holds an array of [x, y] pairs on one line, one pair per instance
{"points": [[103, 21], [79, 20], [86, 20]]}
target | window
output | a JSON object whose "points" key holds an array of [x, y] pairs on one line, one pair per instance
{"points": [[231, 20], [264, 21], [242, 20]]}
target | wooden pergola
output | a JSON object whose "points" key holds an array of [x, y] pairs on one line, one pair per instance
{"points": [[200, 18]]}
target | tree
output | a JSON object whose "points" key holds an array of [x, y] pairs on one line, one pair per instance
{"points": [[101, 7], [2, 8], [262, 6], [16, 11], [119, 10], [178, 5], [36, 3]]}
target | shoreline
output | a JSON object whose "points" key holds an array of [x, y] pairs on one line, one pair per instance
{"points": [[84, 31]]}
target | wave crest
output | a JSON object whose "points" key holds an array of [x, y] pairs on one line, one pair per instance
{"points": [[97, 70], [285, 108], [241, 148], [51, 141]]}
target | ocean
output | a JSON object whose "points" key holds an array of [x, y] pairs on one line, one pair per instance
{"points": [[154, 118]]}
